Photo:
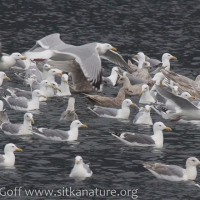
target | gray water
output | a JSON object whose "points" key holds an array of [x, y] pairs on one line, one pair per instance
{"points": [[153, 27]]}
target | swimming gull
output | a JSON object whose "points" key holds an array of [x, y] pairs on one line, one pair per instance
{"points": [[24, 104], [19, 129], [135, 139], [69, 114], [3, 113], [51, 91], [109, 101], [174, 172], [59, 135], [8, 159], [143, 116], [2, 77], [87, 55], [122, 113], [80, 170], [8, 61]]}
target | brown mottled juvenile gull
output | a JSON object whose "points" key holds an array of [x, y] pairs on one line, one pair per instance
{"points": [[87, 56], [174, 172], [59, 135], [135, 139], [19, 129], [109, 101], [69, 114], [122, 113], [8, 61]]}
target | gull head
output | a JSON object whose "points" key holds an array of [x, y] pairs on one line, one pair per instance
{"points": [[3, 76], [55, 86], [11, 148], [45, 83], [145, 88], [192, 161], [139, 56], [38, 94], [65, 78], [186, 95], [167, 56], [78, 160], [102, 48], [128, 103], [29, 117], [77, 124], [122, 79], [159, 126], [175, 90], [54, 72], [147, 108], [47, 67], [146, 65], [18, 56]]}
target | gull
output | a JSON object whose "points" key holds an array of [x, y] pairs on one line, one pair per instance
{"points": [[3, 113], [24, 104], [122, 113], [174, 172], [112, 79], [109, 101], [69, 114], [88, 56], [8, 61], [2, 77], [184, 109], [19, 129], [64, 87], [59, 135], [146, 97], [52, 73], [80, 170], [143, 116], [8, 159], [135, 139]]}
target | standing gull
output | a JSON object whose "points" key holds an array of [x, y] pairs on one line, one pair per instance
{"points": [[87, 56], [135, 139], [19, 129], [174, 172], [80, 170], [8, 159], [122, 113], [59, 135]]}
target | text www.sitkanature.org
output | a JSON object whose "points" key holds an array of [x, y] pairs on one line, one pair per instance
{"points": [[68, 192]]}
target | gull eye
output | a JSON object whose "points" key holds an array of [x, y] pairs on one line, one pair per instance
{"points": [[13, 146], [160, 125]]}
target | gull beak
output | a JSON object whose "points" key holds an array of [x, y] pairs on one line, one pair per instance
{"points": [[161, 84], [57, 88], [167, 128], [59, 73], [32, 121], [7, 78], [133, 104], [43, 96], [141, 92], [199, 163], [135, 56], [147, 110], [23, 58], [84, 126], [192, 97], [114, 49], [66, 81], [52, 86], [18, 149], [174, 58], [50, 67], [77, 162]]}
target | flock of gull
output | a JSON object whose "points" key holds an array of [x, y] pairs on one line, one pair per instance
{"points": [[172, 96]]}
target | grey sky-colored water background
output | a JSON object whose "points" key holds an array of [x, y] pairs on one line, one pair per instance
{"points": [[153, 27]]}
